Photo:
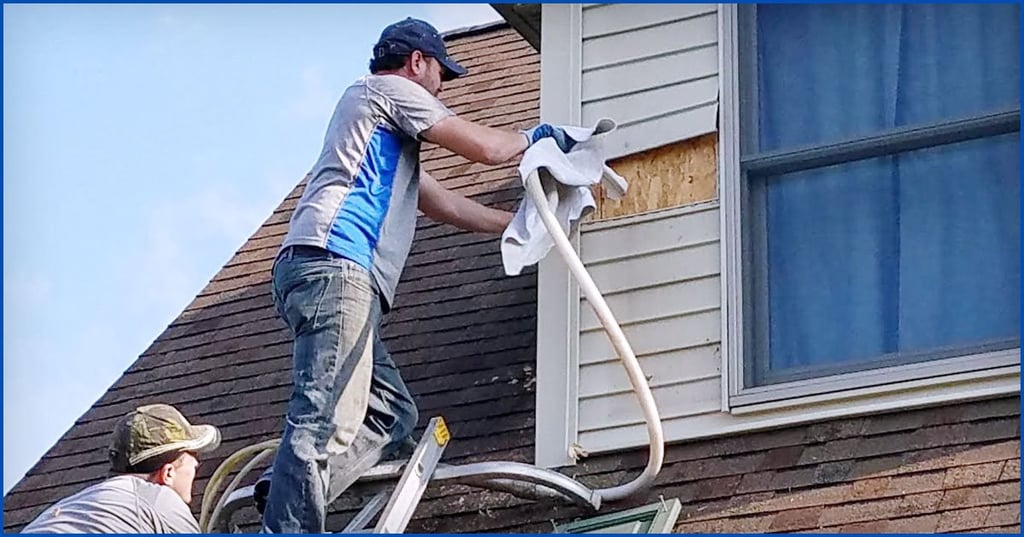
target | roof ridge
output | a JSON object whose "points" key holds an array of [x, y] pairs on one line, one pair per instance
{"points": [[467, 31]]}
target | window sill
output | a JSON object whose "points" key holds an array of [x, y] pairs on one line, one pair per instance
{"points": [[942, 375]]}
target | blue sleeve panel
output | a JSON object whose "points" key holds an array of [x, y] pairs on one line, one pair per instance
{"points": [[356, 229]]}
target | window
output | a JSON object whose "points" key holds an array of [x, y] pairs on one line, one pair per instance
{"points": [[654, 518], [879, 193]]}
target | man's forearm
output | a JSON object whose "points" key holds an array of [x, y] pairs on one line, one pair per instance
{"points": [[472, 216], [443, 205], [477, 142]]}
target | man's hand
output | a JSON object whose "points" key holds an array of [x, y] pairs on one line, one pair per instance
{"points": [[545, 130]]}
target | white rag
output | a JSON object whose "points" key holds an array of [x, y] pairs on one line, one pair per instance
{"points": [[526, 240]]}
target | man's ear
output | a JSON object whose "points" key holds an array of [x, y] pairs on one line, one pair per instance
{"points": [[165, 475], [417, 62]]}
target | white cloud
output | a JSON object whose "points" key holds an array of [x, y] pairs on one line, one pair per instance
{"points": [[316, 95], [226, 215], [452, 16], [27, 299], [315, 99], [26, 292], [179, 21], [175, 26], [189, 240]]}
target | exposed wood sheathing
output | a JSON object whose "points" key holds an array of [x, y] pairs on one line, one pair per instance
{"points": [[463, 335], [673, 175]]}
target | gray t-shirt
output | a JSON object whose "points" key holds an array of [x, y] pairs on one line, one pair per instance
{"points": [[363, 191], [122, 504]]}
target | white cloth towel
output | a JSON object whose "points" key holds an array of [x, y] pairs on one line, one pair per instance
{"points": [[526, 241]]}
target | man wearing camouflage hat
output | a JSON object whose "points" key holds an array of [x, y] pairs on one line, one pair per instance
{"points": [[153, 454]]}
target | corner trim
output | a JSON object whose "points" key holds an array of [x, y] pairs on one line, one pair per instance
{"points": [[729, 196], [557, 407]]}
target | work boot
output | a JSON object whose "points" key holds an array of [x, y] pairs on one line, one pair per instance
{"points": [[402, 451], [261, 490]]}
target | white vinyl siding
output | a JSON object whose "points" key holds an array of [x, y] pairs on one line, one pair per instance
{"points": [[653, 68], [659, 275], [670, 276]]}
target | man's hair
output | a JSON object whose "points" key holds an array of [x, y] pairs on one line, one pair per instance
{"points": [[153, 464], [388, 63]]}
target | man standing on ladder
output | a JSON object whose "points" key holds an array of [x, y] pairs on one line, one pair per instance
{"points": [[336, 273]]}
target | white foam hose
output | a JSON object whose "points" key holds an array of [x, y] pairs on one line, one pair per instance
{"points": [[656, 457]]}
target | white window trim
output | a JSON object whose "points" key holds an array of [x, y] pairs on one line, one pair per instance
{"points": [[737, 398], [557, 424]]}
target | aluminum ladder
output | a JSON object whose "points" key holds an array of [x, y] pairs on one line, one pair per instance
{"points": [[423, 467], [407, 494]]}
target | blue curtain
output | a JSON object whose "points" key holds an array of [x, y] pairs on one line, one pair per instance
{"points": [[911, 252]]}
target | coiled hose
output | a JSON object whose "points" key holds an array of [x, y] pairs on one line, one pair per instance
{"points": [[210, 510]]}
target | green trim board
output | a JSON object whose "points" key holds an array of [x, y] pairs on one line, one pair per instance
{"points": [[654, 518]]}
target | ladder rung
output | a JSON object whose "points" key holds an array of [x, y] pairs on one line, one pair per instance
{"points": [[365, 515]]}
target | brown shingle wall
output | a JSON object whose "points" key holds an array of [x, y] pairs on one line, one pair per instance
{"points": [[953, 468], [943, 469]]}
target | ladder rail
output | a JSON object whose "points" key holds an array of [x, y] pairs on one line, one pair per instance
{"points": [[521, 480], [365, 515], [511, 476], [418, 473], [238, 499], [498, 475]]}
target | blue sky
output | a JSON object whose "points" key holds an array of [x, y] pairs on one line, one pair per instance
{"points": [[142, 146]]}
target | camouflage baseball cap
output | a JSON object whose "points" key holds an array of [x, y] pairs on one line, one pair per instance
{"points": [[154, 430]]}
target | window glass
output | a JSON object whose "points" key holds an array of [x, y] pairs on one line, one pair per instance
{"points": [[897, 258], [830, 72]]}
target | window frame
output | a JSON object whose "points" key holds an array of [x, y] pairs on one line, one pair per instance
{"points": [[739, 212], [662, 518]]}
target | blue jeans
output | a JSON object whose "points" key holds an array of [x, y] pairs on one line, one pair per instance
{"points": [[349, 406]]}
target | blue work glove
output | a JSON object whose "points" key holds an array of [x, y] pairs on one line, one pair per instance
{"points": [[545, 130]]}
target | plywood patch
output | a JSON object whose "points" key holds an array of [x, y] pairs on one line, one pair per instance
{"points": [[668, 176]]}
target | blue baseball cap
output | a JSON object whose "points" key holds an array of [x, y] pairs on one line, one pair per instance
{"points": [[403, 37]]}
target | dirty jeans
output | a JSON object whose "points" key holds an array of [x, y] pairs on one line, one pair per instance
{"points": [[349, 406]]}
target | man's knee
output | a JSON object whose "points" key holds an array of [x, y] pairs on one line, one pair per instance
{"points": [[306, 441]]}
